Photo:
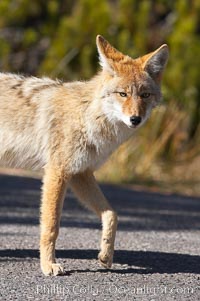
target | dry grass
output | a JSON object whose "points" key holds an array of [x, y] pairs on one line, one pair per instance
{"points": [[178, 178]]}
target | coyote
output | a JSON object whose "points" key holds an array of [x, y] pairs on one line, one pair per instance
{"points": [[70, 129]]}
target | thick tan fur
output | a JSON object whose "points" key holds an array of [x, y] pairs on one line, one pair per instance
{"points": [[70, 129]]}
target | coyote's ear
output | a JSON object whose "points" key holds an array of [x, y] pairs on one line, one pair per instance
{"points": [[155, 62], [108, 55]]}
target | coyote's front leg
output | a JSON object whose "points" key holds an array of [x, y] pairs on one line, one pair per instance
{"points": [[85, 187], [54, 187]]}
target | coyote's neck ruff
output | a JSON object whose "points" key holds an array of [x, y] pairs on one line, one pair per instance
{"points": [[69, 129]]}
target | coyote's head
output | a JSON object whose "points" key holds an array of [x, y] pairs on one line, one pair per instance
{"points": [[130, 87]]}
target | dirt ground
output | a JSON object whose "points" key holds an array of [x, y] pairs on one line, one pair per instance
{"points": [[180, 177]]}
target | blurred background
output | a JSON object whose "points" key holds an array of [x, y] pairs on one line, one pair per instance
{"points": [[57, 39]]}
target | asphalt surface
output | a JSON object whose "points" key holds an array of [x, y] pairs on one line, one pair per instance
{"points": [[157, 253]]}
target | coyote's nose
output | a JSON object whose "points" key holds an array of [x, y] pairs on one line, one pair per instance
{"points": [[135, 120]]}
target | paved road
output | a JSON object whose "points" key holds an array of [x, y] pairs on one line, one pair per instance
{"points": [[157, 247]]}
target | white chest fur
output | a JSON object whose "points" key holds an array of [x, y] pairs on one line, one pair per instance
{"points": [[107, 142]]}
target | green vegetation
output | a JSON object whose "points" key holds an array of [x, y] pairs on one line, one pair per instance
{"points": [[57, 39]]}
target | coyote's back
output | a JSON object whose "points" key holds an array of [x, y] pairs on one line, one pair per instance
{"points": [[24, 119]]}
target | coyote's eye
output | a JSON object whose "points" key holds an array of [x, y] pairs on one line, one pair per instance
{"points": [[145, 95], [123, 94]]}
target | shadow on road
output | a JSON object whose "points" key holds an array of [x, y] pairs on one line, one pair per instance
{"points": [[19, 203], [139, 262]]}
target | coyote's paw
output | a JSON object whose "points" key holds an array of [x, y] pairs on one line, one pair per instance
{"points": [[105, 259], [54, 269]]}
